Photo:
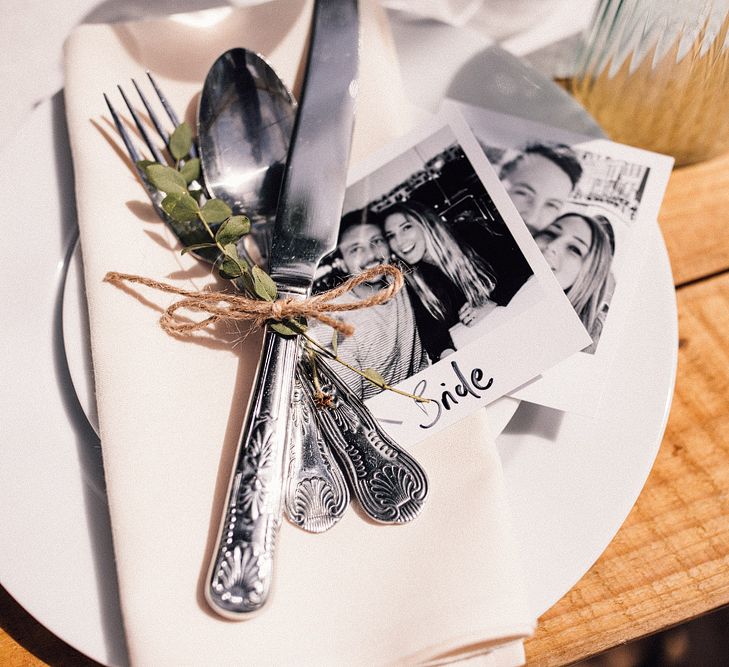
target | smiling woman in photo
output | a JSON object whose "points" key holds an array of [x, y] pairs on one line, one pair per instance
{"points": [[579, 250], [449, 284]]}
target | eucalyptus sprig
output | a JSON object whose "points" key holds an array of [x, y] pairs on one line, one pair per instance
{"points": [[369, 374], [186, 203]]}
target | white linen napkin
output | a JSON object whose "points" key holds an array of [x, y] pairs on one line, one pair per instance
{"points": [[445, 587]]}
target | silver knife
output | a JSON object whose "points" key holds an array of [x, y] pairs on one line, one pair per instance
{"points": [[305, 230]]}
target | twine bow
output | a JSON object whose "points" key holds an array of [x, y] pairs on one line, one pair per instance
{"points": [[238, 307]]}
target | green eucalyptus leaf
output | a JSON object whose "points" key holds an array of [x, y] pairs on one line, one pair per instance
{"points": [[263, 285], [373, 376], [289, 327], [242, 223], [181, 141], [197, 194], [247, 281], [166, 179], [230, 269], [234, 267], [197, 246], [233, 229], [180, 206], [143, 164], [231, 250], [283, 329], [191, 170], [215, 211]]}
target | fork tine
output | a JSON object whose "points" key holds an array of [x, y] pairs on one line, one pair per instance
{"points": [[142, 130], [187, 234], [166, 105], [164, 135], [131, 149]]}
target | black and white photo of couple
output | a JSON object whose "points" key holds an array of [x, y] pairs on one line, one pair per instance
{"points": [[460, 263], [579, 246], [589, 205], [480, 313]]}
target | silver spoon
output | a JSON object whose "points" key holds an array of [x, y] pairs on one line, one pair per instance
{"points": [[316, 493], [245, 121]]}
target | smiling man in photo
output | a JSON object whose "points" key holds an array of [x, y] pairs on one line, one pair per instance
{"points": [[385, 336], [539, 180]]}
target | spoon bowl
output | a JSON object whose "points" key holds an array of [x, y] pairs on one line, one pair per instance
{"points": [[245, 120]]}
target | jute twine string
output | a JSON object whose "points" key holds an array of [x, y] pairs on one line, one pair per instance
{"points": [[225, 306]]}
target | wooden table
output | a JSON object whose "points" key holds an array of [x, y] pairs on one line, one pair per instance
{"points": [[670, 560]]}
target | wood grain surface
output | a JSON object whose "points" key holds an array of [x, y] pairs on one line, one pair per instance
{"points": [[670, 560], [694, 219]]}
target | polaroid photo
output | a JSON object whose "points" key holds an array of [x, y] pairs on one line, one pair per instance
{"points": [[589, 205], [481, 312]]}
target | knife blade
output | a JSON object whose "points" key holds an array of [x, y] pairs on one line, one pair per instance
{"points": [[305, 230], [312, 193]]}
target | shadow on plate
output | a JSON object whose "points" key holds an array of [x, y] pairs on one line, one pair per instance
{"points": [[497, 80], [534, 419], [463, 65]]}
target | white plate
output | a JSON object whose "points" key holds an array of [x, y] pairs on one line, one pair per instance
{"points": [[55, 542], [571, 480]]}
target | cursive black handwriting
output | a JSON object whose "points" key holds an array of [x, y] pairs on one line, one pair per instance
{"points": [[447, 400]]}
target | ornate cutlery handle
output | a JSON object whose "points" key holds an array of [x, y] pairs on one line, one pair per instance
{"points": [[316, 491], [242, 566], [389, 484]]}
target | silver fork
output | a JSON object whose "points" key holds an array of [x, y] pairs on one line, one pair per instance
{"points": [[316, 493]]}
